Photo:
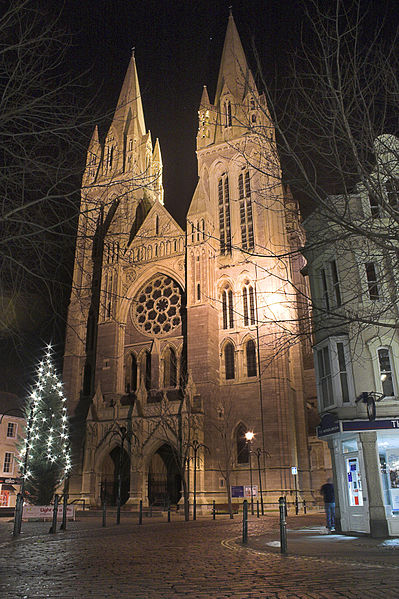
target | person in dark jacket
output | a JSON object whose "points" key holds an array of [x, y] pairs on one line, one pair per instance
{"points": [[327, 491]]}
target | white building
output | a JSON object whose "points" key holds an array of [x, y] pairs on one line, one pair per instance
{"points": [[12, 423], [353, 273]]}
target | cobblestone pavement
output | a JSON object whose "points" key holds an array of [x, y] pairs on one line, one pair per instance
{"points": [[202, 559]]}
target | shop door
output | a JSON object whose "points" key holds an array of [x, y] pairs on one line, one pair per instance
{"points": [[356, 493]]}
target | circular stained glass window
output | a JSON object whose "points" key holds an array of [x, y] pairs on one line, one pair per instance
{"points": [[156, 309]]}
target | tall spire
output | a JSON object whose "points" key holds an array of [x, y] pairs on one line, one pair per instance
{"points": [[234, 71], [129, 107]]}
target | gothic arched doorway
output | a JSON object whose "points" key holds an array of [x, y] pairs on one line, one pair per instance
{"points": [[114, 463], [164, 480]]}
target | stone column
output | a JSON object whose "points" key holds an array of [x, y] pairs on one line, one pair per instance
{"points": [[375, 496]]}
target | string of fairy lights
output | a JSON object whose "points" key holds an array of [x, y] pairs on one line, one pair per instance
{"points": [[47, 429]]}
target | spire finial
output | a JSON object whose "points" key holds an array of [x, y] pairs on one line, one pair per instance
{"points": [[230, 11], [133, 51]]}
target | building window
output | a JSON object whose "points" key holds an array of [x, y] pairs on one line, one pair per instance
{"points": [[132, 384], [251, 358], [392, 187], [246, 220], [242, 445], [343, 374], [334, 373], [7, 465], [224, 214], [227, 114], [335, 283], [385, 366], [198, 292], [324, 289], [11, 430], [326, 392], [229, 361], [227, 308], [157, 225], [248, 300], [147, 366], [375, 206], [170, 368], [372, 283]]}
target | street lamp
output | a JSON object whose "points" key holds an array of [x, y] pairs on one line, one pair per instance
{"points": [[249, 436], [196, 446]]}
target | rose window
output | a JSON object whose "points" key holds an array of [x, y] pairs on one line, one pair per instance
{"points": [[156, 309]]}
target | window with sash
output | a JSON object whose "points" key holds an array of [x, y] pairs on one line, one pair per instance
{"points": [[333, 371]]}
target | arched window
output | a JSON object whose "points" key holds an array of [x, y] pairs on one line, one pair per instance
{"points": [[228, 308], [246, 220], [248, 302], [157, 225], [147, 366], [227, 113], [229, 361], [170, 368], [250, 351], [224, 214], [131, 374], [242, 445]]}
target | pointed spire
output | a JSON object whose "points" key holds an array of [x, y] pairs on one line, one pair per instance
{"points": [[234, 71], [205, 103], [156, 156], [129, 107]]}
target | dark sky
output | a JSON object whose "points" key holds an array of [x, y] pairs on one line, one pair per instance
{"points": [[178, 47]]}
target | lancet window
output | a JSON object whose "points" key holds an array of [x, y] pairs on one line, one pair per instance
{"points": [[248, 301], [250, 351], [170, 368], [224, 214], [229, 361], [246, 219], [227, 308]]}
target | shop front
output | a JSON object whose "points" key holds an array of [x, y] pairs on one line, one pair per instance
{"points": [[365, 457]]}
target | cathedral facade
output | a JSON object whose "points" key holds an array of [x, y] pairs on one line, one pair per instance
{"points": [[181, 341]]}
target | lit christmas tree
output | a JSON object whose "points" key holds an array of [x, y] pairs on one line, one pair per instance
{"points": [[45, 457]]}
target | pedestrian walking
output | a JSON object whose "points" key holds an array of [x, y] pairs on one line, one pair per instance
{"points": [[327, 491]]}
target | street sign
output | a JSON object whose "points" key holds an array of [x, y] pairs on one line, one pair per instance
{"points": [[294, 470]]}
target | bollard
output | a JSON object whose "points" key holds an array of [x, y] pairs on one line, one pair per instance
{"points": [[168, 512], [283, 525], [53, 528], [150, 511], [245, 522], [141, 512], [104, 513], [18, 515], [64, 512], [304, 506], [296, 506], [257, 509], [214, 510]]}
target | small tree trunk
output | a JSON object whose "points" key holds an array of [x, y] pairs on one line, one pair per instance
{"points": [[229, 501]]}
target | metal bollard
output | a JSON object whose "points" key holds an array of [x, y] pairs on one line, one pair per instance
{"points": [[257, 509], [141, 512], [296, 506], [64, 512], [168, 512], [304, 506], [214, 510], [53, 528], [18, 515], [283, 525], [245, 522]]}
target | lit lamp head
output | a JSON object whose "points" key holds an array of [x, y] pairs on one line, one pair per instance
{"points": [[249, 436]]}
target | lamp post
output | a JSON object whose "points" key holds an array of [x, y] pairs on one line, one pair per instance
{"points": [[249, 436], [195, 445], [258, 452]]}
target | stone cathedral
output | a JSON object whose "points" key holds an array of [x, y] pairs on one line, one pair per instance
{"points": [[181, 341]]}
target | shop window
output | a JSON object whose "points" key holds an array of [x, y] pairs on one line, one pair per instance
{"points": [[372, 281], [229, 361], [251, 358], [7, 464], [242, 445], [11, 430], [385, 366]]}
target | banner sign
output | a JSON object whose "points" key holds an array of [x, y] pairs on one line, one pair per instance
{"points": [[46, 512], [247, 491], [367, 425], [329, 424], [237, 491]]}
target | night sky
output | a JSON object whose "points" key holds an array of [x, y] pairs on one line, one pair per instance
{"points": [[178, 47]]}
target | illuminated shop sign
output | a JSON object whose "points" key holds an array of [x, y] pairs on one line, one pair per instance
{"points": [[366, 425]]}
